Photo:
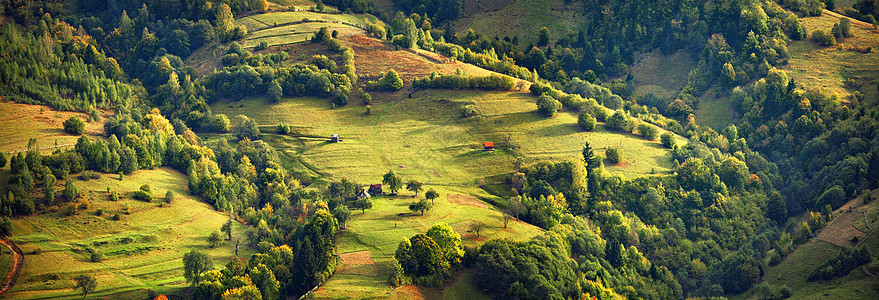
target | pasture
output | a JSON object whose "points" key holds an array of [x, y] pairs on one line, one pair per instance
{"points": [[839, 68], [22, 122], [141, 251], [425, 137], [379, 230]]}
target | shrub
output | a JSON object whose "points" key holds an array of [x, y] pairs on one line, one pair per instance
{"points": [[619, 121], [647, 131], [586, 121], [283, 128], [74, 126], [391, 81], [469, 111], [143, 196], [613, 154], [821, 37], [169, 196], [668, 140], [96, 256], [547, 105], [117, 217], [99, 212]]}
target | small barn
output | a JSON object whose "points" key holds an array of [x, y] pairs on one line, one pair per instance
{"points": [[488, 146], [375, 189], [334, 138]]}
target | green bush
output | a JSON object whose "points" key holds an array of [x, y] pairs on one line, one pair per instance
{"points": [[668, 140], [647, 131], [619, 121], [547, 105], [74, 126], [586, 121], [614, 155], [821, 37]]}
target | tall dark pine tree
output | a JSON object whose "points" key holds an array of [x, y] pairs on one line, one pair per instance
{"points": [[592, 162]]}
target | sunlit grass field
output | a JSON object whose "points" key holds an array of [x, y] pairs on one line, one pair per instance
{"points": [[141, 251]]}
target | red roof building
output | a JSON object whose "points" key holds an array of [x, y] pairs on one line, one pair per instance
{"points": [[489, 146]]}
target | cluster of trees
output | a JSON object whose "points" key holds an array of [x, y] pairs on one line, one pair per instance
{"points": [[438, 10], [389, 81], [459, 80], [840, 265], [430, 259], [275, 271], [57, 65]]}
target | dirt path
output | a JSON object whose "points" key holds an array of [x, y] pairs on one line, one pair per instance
{"points": [[17, 263]]}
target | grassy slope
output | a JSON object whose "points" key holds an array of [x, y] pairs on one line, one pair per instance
{"points": [[520, 18], [381, 229], [830, 67], [159, 238], [423, 138], [21, 122], [662, 75], [795, 268]]}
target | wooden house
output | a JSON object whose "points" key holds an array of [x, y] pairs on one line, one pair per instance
{"points": [[375, 189]]}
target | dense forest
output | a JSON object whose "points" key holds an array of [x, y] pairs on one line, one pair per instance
{"points": [[735, 199]]}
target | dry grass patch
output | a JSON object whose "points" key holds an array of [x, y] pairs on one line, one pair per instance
{"points": [[21, 122]]}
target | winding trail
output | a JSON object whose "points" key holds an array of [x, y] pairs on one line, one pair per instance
{"points": [[17, 263]]}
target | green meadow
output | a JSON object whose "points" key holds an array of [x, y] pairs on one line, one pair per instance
{"points": [[425, 137], [142, 251]]}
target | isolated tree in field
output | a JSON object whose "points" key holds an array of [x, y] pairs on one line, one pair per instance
{"points": [[547, 105], [342, 214], [214, 239], [194, 263], [2, 160], [415, 186], [246, 128], [86, 283], [668, 140], [421, 205], [477, 227], [70, 191], [169, 197], [507, 215], [227, 229], [393, 181], [391, 81], [319, 5], [74, 125], [614, 155], [363, 204], [430, 195]]}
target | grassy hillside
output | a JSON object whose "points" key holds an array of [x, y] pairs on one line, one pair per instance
{"points": [[141, 251], [283, 28], [520, 18], [425, 138], [368, 244], [849, 221], [21, 122], [836, 68]]}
